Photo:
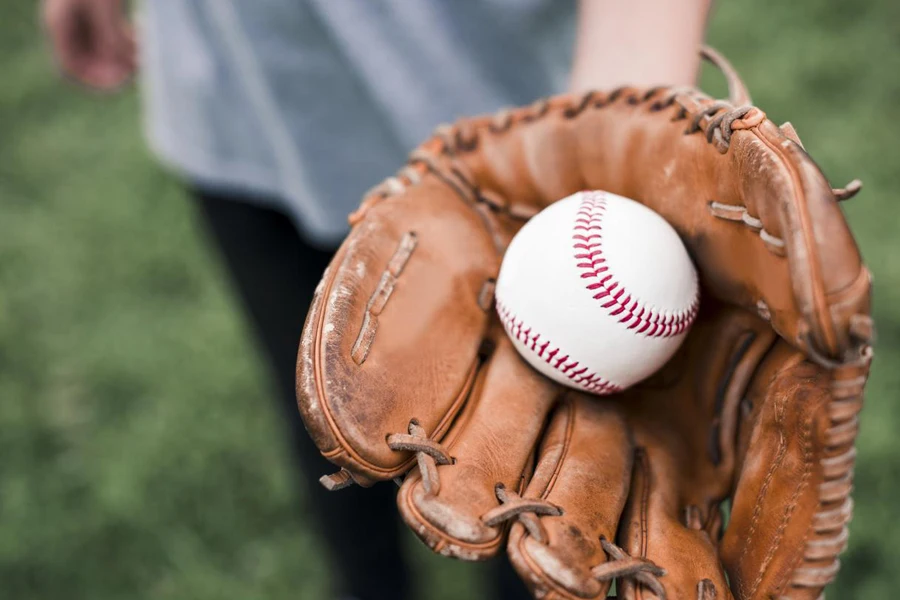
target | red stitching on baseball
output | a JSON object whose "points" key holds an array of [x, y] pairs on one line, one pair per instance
{"points": [[590, 381], [588, 221]]}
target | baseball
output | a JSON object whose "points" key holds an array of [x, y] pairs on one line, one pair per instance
{"points": [[597, 292]]}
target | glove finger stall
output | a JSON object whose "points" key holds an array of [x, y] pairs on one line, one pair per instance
{"points": [[491, 444], [414, 275], [583, 468]]}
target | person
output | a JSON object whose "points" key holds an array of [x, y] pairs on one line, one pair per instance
{"points": [[279, 114]]}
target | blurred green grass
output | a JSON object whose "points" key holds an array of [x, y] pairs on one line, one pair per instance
{"points": [[136, 454]]}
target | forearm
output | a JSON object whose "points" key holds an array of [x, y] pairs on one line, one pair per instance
{"points": [[638, 42]]}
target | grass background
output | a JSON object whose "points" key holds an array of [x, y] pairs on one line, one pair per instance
{"points": [[136, 436]]}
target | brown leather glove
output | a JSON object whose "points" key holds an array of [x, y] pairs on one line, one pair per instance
{"points": [[404, 369]]}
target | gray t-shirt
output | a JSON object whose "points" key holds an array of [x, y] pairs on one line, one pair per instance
{"points": [[308, 103]]}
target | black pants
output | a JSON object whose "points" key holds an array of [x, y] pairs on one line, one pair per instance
{"points": [[274, 272]]}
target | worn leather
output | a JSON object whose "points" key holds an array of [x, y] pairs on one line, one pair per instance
{"points": [[404, 370]]}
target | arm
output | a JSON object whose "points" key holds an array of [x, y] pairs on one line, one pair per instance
{"points": [[92, 40], [640, 42]]}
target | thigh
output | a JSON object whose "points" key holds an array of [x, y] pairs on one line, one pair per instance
{"points": [[274, 273], [273, 270]]}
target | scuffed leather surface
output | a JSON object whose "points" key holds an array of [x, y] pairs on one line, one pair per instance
{"points": [[758, 407]]}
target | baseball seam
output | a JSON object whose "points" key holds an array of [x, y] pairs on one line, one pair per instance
{"points": [[587, 237], [553, 355]]}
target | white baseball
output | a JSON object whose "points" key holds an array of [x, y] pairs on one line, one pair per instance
{"points": [[597, 292]]}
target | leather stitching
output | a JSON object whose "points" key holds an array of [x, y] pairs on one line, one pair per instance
{"points": [[587, 235], [553, 355], [643, 463], [616, 299], [640, 488], [570, 408], [763, 490], [806, 445]]}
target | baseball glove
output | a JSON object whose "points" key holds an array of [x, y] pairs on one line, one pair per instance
{"points": [[405, 370]]}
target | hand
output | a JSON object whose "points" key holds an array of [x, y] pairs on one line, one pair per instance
{"points": [[92, 41], [405, 371]]}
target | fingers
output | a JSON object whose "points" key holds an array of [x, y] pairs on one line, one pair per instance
{"points": [[115, 43], [396, 330], [584, 466], [92, 41], [462, 509]]}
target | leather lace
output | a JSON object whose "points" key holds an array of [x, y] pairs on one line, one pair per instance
{"points": [[620, 566], [721, 115], [429, 454], [525, 510], [625, 566], [717, 119]]}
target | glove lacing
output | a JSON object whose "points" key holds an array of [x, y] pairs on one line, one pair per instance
{"points": [[429, 454], [623, 566], [620, 564], [526, 510]]}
